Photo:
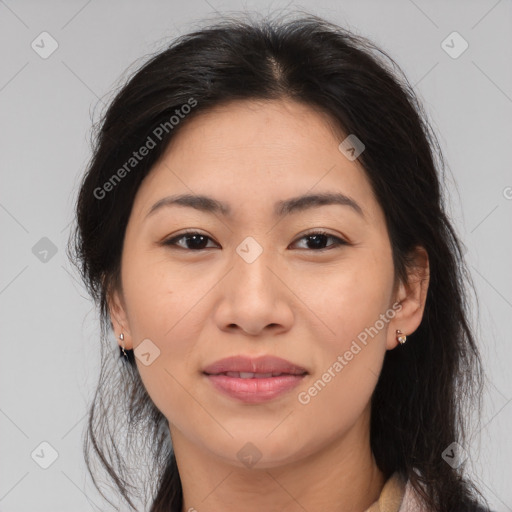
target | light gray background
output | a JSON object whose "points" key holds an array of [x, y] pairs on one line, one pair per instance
{"points": [[49, 332]]}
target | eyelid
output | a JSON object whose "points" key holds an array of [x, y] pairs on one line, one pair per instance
{"points": [[321, 231]]}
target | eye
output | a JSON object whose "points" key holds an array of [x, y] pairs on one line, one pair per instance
{"points": [[194, 241], [317, 240]]}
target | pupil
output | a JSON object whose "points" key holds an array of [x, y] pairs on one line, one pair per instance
{"points": [[196, 245], [317, 240]]}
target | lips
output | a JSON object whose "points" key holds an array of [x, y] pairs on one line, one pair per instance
{"points": [[249, 367], [254, 380]]}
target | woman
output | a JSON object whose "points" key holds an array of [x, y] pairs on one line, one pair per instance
{"points": [[288, 374]]}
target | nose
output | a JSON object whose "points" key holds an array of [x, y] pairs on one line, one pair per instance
{"points": [[254, 298]]}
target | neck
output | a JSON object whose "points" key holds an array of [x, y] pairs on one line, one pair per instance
{"points": [[342, 475]]}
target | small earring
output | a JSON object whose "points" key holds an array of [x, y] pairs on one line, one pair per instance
{"points": [[121, 337], [402, 338]]}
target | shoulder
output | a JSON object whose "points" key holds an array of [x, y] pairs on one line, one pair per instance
{"points": [[410, 501]]}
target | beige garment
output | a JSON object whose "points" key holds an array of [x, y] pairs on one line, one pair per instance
{"points": [[391, 496], [397, 496]]}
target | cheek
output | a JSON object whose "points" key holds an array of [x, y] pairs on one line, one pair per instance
{"points": [[163, 305], [352, 350], [161, 298], [350, 299]]}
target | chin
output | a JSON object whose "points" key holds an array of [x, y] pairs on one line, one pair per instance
{"points": [[262, 451]]}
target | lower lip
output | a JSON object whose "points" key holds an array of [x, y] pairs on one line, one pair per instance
{"points": [[254, 390]]}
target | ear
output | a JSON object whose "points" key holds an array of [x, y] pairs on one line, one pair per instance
{"points": [[411, 296], [119, 317]]}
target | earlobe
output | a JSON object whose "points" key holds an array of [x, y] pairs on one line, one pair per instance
{"points": [[119, 319], [412, 297]]}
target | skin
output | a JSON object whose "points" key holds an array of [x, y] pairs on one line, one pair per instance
{"points": [[294, 301]]}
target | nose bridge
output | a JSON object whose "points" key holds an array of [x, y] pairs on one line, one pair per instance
{"points": [[251, 266]]}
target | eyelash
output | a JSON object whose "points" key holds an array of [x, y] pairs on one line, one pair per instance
{"points": [[339, 241]]}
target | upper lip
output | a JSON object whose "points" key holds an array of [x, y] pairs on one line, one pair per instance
{"points": [[262, 364]]}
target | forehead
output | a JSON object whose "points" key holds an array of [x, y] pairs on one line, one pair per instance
{"points": [[278, 125], [256, 153]]}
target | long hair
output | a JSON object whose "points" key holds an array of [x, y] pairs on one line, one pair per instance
{"points": [[428, 388]]}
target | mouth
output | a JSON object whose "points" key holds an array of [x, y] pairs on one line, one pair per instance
{"points": [[254, 380]]}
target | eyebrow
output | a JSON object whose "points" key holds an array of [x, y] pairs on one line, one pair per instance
{"points": [[295, 204]]}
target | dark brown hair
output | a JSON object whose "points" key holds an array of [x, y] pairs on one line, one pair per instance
{"points": [[428, 386]]}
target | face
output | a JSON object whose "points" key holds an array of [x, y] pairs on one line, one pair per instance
{"points": [[312, 284]]}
